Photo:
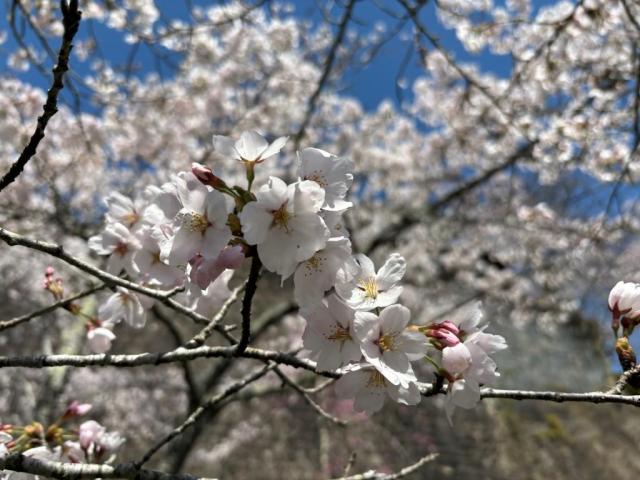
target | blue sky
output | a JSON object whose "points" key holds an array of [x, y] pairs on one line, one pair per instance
{"points": [[371, 84]]}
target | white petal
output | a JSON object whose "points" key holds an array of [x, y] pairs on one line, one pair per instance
{"points": [[394, 319], [251, 145], [391, 272]]}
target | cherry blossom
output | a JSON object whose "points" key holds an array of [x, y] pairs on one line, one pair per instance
{"points": [[387, 345], [369, 289], [329, 334], [204, 271], [624, 300], [332, 173], [120, 244], [202, 224], [100, 339], [370, 389], [212, 297], [284, 223], [250, 147], [316, 275], [122, 305]]}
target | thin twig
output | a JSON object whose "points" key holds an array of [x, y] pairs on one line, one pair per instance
{"points": [[164, 296], [326, 71], [197, 413], [373, 475], [307, 398], [206, 332], [5, 324]]}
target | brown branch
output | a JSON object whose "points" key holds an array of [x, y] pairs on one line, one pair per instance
{"points": [[71, 21]]}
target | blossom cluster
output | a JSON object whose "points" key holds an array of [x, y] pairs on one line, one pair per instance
{"points": [[89, 442], [193, 231]]}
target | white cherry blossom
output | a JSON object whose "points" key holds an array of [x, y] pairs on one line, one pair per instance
{"points": [[368, 289], [329, 334], [250, 147], [316, 275], [120, 245], [211, 299], [284, 223], [387, 345], [100, 339], [370, 389], [123, 305], [333, 174], [201, 224]]}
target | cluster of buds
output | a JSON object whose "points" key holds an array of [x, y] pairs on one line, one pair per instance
{"points": [[624, 304], [87, 443], [99, 332], [54, 285]]}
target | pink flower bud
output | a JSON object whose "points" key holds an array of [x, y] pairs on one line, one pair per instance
{"points": [[206, 176], [90, 431], [203, 272], [444, 336], [450, 326], [76, 409]]}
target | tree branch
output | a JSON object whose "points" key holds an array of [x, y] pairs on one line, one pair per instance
{"points": [[164, 296], [74, 471], [71, 21], [250, 291]]}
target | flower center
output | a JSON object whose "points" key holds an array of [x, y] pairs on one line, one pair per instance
{"points": [[317, 177], [196, 222], [130, 218], [370, 288], [281, 217], [376, 380], [340, 334], [314, 263], [121, 248], [386, 342]]}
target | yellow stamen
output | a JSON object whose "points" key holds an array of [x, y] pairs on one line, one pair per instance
{"points": [[281, 217], [317, 177], [314, 264], [130, 218], [196, 222], [340, 334], [386, 342], [370, 288], [376, 380]]}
